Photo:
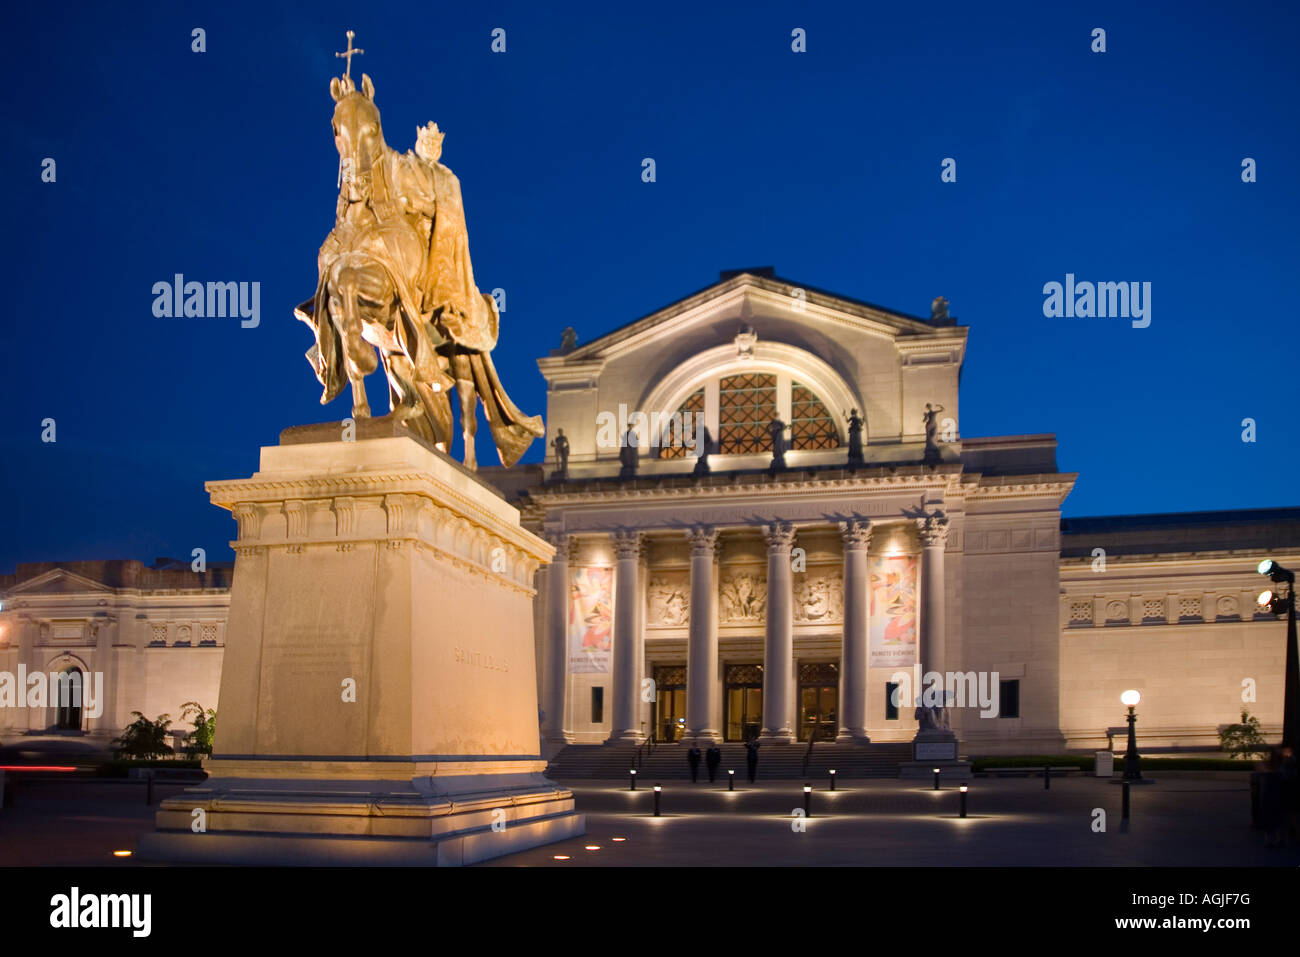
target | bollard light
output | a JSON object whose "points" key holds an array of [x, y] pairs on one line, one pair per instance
{"points": [[633, 773], [657, 790], [832, 779], [963, 801], [807, 800], [731, 780], [936, 779]]}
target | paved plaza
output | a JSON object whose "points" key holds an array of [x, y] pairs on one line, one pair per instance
{"points": [[1011, 822]]}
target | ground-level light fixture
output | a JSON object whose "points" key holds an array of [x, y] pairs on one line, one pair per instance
{"points": [[731, 780], [633, 774], [962, 812], [832, 779]]}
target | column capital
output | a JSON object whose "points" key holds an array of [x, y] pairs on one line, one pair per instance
{"points": [[779, 535], [703, 539], [933, 529], [564, 544], [856, 534], [627, 544]]}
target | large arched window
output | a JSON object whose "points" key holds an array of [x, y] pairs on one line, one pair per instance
{"points": [[737, 390], [746, 404]]}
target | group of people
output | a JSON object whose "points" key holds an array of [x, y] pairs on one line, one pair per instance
{"points": [[713, 758]]}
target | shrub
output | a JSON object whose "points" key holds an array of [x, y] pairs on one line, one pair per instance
{"points": [[1243, 740], [143, 738], [205, 727]]}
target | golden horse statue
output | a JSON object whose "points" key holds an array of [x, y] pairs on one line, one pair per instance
{"points": [[395, 276]]}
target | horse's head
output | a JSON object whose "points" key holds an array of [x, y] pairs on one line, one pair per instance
{"points": [[357, 132]]}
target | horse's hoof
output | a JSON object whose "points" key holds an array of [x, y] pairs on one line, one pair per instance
{"points": [[361, 412]]}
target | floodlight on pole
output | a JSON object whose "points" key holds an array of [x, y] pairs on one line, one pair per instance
{"points": [[1276, 603]]}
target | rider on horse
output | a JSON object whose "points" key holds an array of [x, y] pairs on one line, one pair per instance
{"points": [[395, 274]]}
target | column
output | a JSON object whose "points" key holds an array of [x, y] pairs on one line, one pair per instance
{"points": [[854, 652], [29, 719], [555, 677], [627, 668], [702, 653], [778, 658], [106, 665], [931, 655], [644, 709]]}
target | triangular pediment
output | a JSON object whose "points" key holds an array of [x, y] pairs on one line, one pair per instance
{"points": [[58, 581], [746, 295]]}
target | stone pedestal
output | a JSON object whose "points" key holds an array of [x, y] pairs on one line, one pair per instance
{"points": [[935, 749], [378, 695]]}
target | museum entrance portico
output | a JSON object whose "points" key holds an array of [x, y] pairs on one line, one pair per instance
{"points": [[748, 628]]}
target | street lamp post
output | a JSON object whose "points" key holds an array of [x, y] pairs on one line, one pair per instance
{"points": [[1131, 772], [1277, 604]]}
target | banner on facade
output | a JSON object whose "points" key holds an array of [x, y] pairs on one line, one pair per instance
{"points": [[591, 602], [893, 611]]}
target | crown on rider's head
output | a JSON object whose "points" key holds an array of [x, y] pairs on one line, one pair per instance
{"points": [[428, 142]]}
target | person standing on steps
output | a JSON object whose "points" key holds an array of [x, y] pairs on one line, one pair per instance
{"points": [[693, 759], [751, 759], [712, 758]]}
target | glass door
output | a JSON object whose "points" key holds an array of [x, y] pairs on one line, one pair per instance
{"points": [[670, 703], [819, 692], [742, 702]]}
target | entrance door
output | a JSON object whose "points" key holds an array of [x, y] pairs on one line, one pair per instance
{"points": [[670, 702], [819, 693], [67, 702], [742, 702]]}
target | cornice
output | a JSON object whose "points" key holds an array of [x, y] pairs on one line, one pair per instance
{"points": [[919, 478]]}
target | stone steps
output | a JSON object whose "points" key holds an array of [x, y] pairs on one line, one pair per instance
{"points": [[668, 761]]}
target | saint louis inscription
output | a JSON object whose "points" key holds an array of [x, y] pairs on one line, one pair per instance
{"points": [[464, 656]]}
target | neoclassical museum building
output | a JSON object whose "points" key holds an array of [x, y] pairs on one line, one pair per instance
{"points": [[740, 597], [769, 525]]}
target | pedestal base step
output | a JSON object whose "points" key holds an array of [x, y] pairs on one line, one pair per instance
{"points": [[324, 850]]}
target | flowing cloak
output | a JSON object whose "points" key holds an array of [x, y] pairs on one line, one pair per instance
{"points": [[441, 306]]}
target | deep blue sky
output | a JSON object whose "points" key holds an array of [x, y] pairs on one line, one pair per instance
{"points": [[221, 166]]}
